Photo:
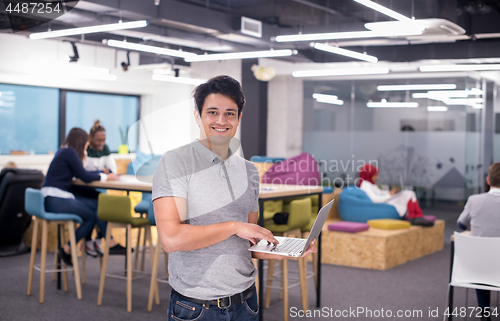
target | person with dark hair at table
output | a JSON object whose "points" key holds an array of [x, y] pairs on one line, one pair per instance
{"points": [[99, 156], [67, 163], [482, 218]]}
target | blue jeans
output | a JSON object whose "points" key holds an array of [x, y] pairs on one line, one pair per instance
{"points": [[84, 207], [181, 309]]}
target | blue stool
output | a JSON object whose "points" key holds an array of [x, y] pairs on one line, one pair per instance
{"points": [[34, 205], [143, 206], [153, 289]]}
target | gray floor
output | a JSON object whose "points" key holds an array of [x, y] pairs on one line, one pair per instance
{"points": [[418, 285]]}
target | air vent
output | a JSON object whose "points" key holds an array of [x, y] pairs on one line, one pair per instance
{"points": [[251, 27]]}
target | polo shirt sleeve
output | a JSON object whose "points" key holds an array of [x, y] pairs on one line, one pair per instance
{"points": [[255, 183], [464, 218], [170, 178]]}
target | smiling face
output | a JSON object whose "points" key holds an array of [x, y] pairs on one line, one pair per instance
{"points": [[98, 140], [219, 119]]}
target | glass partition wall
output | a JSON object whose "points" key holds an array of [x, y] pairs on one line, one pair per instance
{"points": [[426, 137]]}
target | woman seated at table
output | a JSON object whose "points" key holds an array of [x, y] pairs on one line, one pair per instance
{"points": [[67, 163], [99, 157], [405, 201]]}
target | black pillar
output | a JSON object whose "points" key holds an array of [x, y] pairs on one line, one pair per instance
{"points": [[254, 120]]}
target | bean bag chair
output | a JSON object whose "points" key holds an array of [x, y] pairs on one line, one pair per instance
{"points": [[356, 206], [299, 170]]}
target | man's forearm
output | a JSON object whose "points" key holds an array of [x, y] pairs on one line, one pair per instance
{"points": [[185, 237]]}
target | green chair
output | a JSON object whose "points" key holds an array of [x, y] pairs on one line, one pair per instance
{"points": [[116, 210], [271, 208], [299, 216], [307, 228]]}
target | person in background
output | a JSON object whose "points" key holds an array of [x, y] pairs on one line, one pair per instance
{"points": [[99, 157], [482, 218], [10, 165], [206, 207], [405, 202], [68, 163]]}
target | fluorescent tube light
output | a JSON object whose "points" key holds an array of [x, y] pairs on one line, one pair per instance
{"points": [[78, 71], [420, 95], [179, 80], [384, 10], [333, 102], [446, 94], [402, 26], [344, 52], [90, 29], [437, 108], [477, 106], [467, 101], [328, 99], [476, 67], [242, 55], [323, 96], [347, 35], [146, 48], [416, 87], [391, 104], [340, 72]]}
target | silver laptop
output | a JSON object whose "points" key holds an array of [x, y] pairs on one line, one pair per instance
{"points": [[290, 246]]}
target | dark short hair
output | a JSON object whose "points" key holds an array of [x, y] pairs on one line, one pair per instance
{"points": [[76, 139], [494, 175], [224, 85]]}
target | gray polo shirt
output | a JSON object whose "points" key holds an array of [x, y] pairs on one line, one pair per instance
{"points": [[482, 214], [215, 192]]}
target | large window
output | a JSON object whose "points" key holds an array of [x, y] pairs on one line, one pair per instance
{"points": [[29, 119], [432, 144], [115, 112]]}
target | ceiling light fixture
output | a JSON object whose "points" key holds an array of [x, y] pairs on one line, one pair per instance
{"points": [[385, 104], [477, 67], [466, 102], [91, 29], [384, 10], [328, 99], [179, 80], [344, 52], [446, 94], [437, 108], [411, 26], [126, 64], [340, 72], [146, 48], [242, 55], [416, 87], [347, 35], [75, 56], [80, 71]]}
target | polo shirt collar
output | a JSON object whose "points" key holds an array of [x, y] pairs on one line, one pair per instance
{"points": [[209, 155]]}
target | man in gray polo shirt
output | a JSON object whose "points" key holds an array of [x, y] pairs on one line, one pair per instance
{"points": [[481, 216], [206, 208]]}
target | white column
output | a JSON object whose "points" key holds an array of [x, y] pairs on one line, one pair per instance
{"points": [[285, 116]]}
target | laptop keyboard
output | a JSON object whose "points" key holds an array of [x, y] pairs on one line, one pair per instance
{"points": [[291, 246]]}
